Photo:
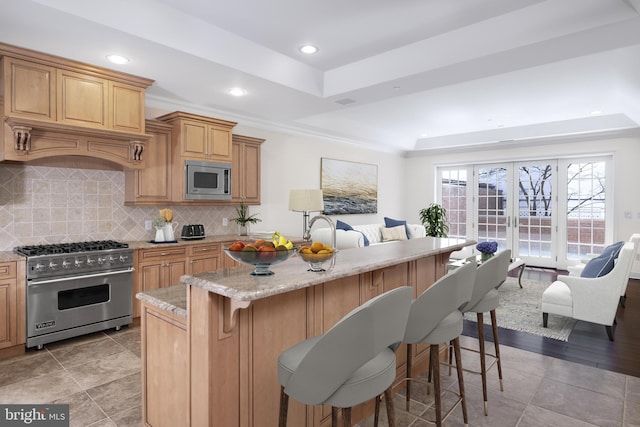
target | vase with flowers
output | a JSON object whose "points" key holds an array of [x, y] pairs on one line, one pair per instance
{"points": [[486, 249]]}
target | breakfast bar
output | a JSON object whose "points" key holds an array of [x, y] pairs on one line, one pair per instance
{"points": [[210, 356]]}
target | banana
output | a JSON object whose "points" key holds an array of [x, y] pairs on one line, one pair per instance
{"points": [[276, 238], [280, 240]]}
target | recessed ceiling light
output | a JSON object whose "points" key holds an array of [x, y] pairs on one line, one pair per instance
{"points": [[237, 91], [595, 112], [118, 59], [308, 49]]}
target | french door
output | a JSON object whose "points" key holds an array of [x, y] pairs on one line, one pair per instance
{"points": [[515, 205], [522, 205]]}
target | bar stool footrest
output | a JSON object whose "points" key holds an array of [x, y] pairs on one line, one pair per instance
{"points": [[427, 406]]}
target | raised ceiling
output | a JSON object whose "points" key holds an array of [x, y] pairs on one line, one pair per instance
{"points": [[401, 76]]}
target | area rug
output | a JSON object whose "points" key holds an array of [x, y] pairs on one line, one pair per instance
{"points": [[520, 310]]}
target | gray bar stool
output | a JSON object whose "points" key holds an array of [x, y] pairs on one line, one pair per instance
{"points": [[435, 318], [349, 364], [485, 298]]}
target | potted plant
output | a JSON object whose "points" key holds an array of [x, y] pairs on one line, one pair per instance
{"points": [[243, 219], [434, 219]]}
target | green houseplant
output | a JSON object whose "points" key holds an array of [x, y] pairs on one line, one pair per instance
{"points": [[243, 219], [434, 219]]}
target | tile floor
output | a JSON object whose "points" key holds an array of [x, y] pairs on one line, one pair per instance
{"points": [[99, 376], [538, 391]]}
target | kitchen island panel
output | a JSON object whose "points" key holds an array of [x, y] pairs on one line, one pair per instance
{"points": [[274, 324], [239, 324], [215, 361], [165, 368]]}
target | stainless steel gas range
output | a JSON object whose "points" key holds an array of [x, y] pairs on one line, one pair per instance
{"points": [[77, 288]]}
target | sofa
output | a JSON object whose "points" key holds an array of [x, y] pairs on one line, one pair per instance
{"points": [[358, 236]]}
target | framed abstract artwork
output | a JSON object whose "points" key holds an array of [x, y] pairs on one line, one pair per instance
{"points": [[348, 187]]}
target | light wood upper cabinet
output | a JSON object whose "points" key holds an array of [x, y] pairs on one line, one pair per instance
{"points": [[152, 185], [29, 89], [69, 104], [200, 137], [245, 172], [83, 100], [42, 87], [127, 112]]}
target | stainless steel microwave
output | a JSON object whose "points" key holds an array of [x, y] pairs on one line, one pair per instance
{"points": [[207, 180]]}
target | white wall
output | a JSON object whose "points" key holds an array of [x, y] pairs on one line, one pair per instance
{"points": [[626, 173], [293, 162]]}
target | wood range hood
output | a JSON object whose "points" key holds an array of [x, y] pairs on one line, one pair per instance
{"points": [[52, 107]]}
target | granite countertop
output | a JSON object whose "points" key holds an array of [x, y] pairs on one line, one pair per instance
{"points": [[142, 244], [6, 256], [172, 299], [292, 274]]}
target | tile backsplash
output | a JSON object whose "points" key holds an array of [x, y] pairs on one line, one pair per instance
{"points": [[40, 205]]}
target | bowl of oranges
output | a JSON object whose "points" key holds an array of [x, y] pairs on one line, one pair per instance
{"points": [[316, 254]]}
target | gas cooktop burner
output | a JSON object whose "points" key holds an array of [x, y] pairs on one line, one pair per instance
{"points": [[65, 248]]}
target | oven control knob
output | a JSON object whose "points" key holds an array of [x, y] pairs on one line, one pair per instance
{"points": [[79, 262], [66, 264], [112, 259], [123, 259], [39, 267], [91, 261], [53, 266], [101, 260]]}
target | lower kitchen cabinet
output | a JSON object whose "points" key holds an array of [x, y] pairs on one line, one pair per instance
{"points": [[204, 257], [12, 304], [165, 376], [158, 268]]}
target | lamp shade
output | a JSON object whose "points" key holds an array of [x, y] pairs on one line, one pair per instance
{"points": [[306, 200]]}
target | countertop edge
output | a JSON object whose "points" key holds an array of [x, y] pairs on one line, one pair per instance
{"points": [[172, 299], [239, 285]]}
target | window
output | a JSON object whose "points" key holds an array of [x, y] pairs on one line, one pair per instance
{"points": [[586, 208], [551, 213], [453, 189]]}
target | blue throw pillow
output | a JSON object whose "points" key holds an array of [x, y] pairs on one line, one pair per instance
{"points": [[346, 227], [613, 249], [389, 223], [602, 264], [343, 226]]}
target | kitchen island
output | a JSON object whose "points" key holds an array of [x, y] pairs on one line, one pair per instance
{"points": [[219, 356]]}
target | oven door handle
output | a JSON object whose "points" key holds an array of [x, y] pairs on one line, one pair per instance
{"points": [[84, 276]]}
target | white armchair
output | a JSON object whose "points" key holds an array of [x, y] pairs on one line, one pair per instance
{"points": [[576, 270], [590, 299]]}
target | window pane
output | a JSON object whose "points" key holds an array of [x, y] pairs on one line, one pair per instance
{"points": [[586, 199], [454, 200]]}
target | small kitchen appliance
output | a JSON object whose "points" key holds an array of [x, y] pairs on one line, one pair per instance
{"points": [[192, 232]]}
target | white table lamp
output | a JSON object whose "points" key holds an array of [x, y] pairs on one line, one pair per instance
{"points": [[306, 201]]}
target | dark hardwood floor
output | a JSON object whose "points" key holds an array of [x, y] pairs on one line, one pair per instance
{"points": [[588, 343]]}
